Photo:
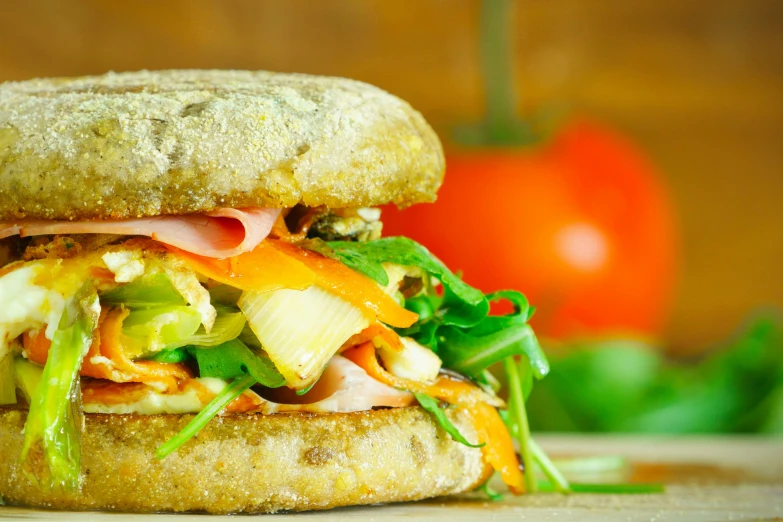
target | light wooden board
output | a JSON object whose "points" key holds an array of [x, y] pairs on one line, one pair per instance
{"points": [[709, 479]]}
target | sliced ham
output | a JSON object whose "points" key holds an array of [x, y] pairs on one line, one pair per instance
{"points": [[343, 387], [222, 233]]}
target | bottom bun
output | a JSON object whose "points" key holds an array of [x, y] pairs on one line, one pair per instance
{"points": [[254, 463]]}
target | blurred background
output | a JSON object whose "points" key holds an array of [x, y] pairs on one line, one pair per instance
{"points": [[621, 162]]}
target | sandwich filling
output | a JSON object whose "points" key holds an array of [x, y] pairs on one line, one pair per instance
{"points": [[248, 311]]}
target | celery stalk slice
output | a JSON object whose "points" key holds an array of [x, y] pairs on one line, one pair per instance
{"points": [[301, 330], [232, 391], [149, 291], [51, 454]]}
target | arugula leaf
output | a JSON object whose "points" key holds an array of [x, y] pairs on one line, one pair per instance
{"points": [[432, 405], [367, 257], [457, 323], [175, 355], [234, 359], [518, 417], [548, 467], [474, 349], [491, 494], [230, 360], [610, 489], [470, 355], [223, 399]]}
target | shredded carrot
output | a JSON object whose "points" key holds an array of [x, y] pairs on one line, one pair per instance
{"points": [[499, 448], [388, 335], [36, 346], [356, 288], [445, 388], [275, 264], [101, 391], [262, 270], [120, 368], [106, 358]]}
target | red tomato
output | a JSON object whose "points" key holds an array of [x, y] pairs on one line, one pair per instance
{"points": [[582, 225]]}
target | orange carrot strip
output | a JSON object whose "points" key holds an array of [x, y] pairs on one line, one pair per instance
{"points": [[356, 288], [371, 332], [275, 264], [262, 270], [499, 448]]}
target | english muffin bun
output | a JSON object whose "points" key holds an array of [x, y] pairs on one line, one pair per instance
{"points": [[176, 142], [254, 463]]}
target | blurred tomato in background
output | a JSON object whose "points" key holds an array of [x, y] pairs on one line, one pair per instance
{"points": [[581, 223]]}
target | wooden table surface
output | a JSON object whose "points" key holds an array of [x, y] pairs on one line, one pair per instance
{"points": [[708, 479]]}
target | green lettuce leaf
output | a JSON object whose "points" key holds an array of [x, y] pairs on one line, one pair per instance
{"points": [[154, 329], [149, 291]]}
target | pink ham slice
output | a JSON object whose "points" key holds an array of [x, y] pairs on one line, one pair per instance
{"points": [[343, 387], [225, 232]]}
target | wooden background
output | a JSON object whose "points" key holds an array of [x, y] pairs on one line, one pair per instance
{"points": [[698, 83]]}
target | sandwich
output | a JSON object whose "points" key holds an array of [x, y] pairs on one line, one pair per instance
{"points": [[199, 312]]}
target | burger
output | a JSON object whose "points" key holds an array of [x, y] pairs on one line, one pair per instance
{"points": [[198, 311]]}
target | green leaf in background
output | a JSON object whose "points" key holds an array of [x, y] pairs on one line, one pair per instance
{"points": [[432, 405], [629, 387]]}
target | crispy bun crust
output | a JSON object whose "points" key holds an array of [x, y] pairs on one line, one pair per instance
{"points": [[176, 142], [254, 463]]}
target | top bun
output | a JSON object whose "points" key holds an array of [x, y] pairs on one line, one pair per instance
{"points": [[148, 143]]}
